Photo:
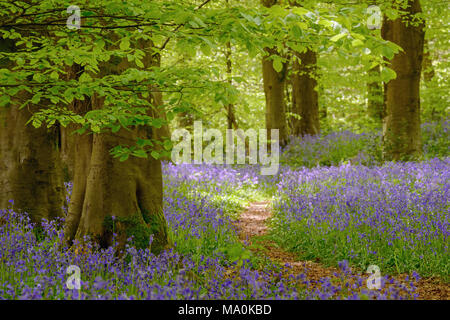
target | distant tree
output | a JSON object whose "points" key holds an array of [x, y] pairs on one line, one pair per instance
{"points": [[274, 85], [375, 95], [401, 134], [305, 98]]}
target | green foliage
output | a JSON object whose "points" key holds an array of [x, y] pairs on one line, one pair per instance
{"points": [[344, 77], [113, 33]]}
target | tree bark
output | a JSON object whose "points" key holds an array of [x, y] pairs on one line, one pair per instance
{"points": [[231, 117], [68, 152], [104, 187], [30, 168], [401, 129], [305, 98], [274, 85]]}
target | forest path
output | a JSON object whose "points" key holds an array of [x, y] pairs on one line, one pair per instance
{"points": [[253, 226]]}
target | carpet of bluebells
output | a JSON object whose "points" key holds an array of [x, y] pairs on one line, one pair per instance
{"points": [[353, 213], [33, 265], [395, 216]]}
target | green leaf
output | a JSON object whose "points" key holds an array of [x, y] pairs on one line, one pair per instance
{"points": [[277, 64], [338, 37], [387, 74], [54, 75], [357, 43], [300, 11], [36, 123], [206, 49], [193, 24], [36, 98], [139, 63], [115, 128], [124, 44], [95, 129], [4, 100], [140, 153], [123, 157], [85, 77], [167, 145], [297, 32], [155, 154], [388, 52]]}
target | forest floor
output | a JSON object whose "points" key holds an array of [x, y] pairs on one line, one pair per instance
{"points": [[253, 230]]}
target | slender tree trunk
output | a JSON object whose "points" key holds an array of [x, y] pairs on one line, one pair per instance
{"points": [[427, 65], [305, 99], [186, 120], [30, 168], [401, 130], [231, 117], [375, 95], [104, 187], [289, 111]]}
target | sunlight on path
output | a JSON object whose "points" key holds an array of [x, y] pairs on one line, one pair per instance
{"points": [[253, 224]]}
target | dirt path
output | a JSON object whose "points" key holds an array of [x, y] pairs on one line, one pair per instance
{"points": [[253, 223]]}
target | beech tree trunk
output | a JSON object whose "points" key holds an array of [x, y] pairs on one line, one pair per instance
{"points": [[30, 167], [401, 129], [274, 85], [110, 196], [305, 98]]}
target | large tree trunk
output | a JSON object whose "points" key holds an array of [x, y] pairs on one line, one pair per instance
{"points": [[30, 168], [104, 187], [305, 98], [401, 129]]}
